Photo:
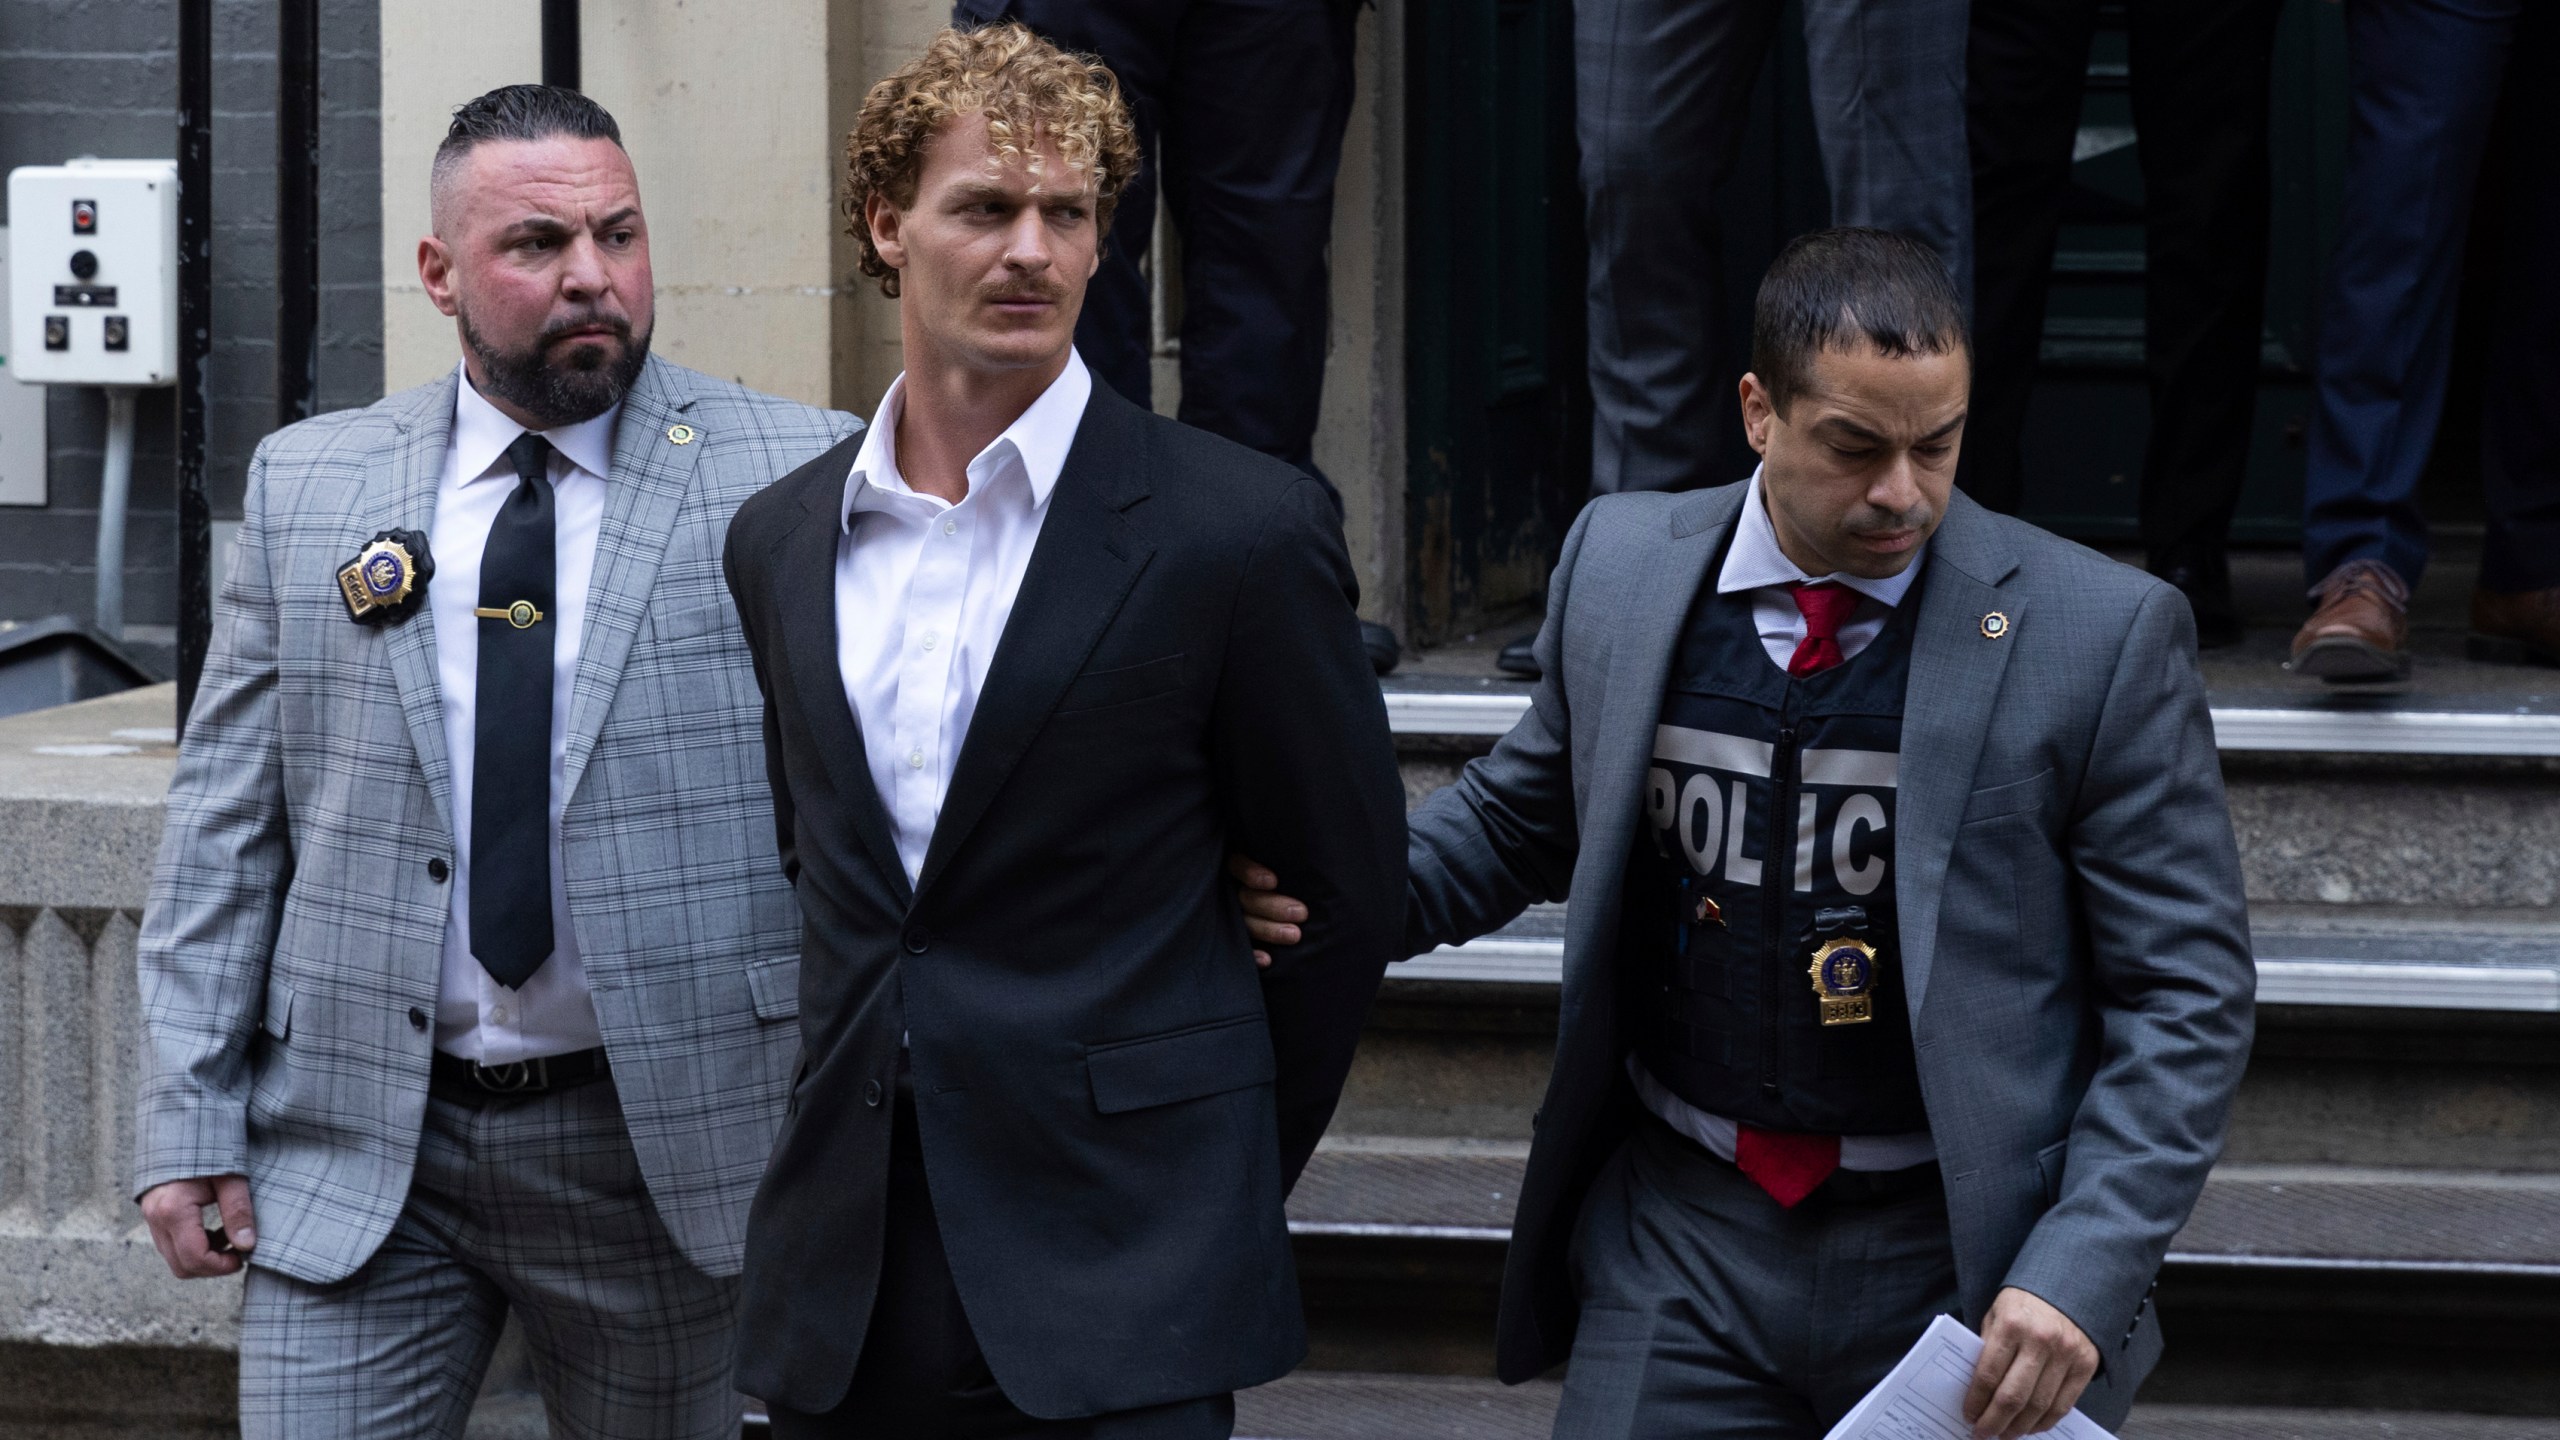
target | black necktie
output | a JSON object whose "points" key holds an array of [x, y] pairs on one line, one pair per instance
{"points": [[511, 754]]}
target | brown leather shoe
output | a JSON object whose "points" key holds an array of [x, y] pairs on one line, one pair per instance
{"points": [[2515, 629], [2360, 633]]}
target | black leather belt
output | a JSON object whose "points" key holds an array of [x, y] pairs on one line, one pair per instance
{"points": [[468, 1082]]}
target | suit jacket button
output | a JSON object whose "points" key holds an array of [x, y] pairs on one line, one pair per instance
{"points": [[871, 1094], [417, 1018], [917, 940], [437, 869]]}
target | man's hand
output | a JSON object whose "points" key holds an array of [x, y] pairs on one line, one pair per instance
{"points": [[2034, 1365], [1270, 917], [175, 1212]]}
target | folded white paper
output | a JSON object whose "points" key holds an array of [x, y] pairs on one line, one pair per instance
{"points": [[1923, 1399]]}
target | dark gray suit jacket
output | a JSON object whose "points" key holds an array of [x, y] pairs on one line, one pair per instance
{"points": [[2072, 925]]}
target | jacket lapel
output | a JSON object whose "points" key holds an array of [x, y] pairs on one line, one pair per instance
{"points": [[1659, 588], [1087, 557], [401, 495], [805, 581], [1955, 678], [651, 474]]}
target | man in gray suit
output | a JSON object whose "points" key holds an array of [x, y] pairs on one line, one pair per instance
{"points": [[1907, 971], [468, 977]]}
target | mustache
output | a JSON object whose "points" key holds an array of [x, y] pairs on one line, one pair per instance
{"points": [[619, 325], [1034, 290]]}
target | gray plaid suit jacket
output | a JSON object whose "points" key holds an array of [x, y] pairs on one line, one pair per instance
{"points": [[290, 949]]}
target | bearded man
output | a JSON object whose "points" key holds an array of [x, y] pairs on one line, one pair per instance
{"points": [[468, 973]]}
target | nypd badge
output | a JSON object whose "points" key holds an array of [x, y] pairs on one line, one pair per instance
{"points": [[1844, 977], [386, 578]]}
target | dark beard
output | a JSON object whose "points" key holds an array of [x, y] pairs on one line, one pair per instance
{"points": [[584, 386]]}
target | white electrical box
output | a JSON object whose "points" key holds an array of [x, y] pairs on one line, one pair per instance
{"points": [[93, 272]]}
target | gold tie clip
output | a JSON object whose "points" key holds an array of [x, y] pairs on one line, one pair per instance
{"points": [[521, 614]]}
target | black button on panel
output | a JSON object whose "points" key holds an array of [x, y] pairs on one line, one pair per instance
{"points": [[84, 264], [119, 333], [57, 332], [871, 1094], [437, 870], [918, 941], [417, 1018]]}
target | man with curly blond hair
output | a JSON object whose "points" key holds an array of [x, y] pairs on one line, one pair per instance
{"points": [[1032, 657]]}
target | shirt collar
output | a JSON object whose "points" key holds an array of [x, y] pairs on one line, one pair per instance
{"points": [[1038, 439], [482, 433], [1754, 561]]}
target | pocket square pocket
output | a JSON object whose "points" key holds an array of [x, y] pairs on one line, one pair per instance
{"points": [[1101, 689], [682, 622], [2018, 797]]}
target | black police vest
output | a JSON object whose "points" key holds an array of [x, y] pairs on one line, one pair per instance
{"points": [[1767, 832]]}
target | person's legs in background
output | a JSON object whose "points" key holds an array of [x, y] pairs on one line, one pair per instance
{"points": [[2424, 77], [1660, 91], [1888, 82], [2024, 74], [2515, 613], [2200, 101]]}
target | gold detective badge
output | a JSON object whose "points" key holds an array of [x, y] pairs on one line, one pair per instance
{"points": [[386, 576], [1844, 976]]}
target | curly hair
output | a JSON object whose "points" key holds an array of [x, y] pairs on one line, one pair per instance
{"points": [[1030, 91]]}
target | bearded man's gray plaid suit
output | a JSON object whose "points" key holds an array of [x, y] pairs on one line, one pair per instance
{"points": [[290, 952]]}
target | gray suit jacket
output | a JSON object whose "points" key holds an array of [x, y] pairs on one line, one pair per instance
{"points": [[290, 949], [2072, 927]]}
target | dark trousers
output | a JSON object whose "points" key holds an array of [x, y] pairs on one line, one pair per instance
{"points": [[1240, 106], [1707, 1310], [1662, 91], [2200, 97], [2425, 77], [922, 1375]]}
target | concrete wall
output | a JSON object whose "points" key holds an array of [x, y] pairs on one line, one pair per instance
{"points": [[100, 78], [92, 1326], [729, 113]]}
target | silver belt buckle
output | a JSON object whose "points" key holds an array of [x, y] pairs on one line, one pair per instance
{"points": [[513, 1078]]}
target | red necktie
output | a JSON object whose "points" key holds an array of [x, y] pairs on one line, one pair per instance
{"points": [[1789, 1166], [1826, 607]]}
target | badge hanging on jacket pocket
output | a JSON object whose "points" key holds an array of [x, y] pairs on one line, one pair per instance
{"points": [[387, 577]]}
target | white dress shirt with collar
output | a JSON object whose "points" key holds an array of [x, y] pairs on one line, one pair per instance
{"points": [[552, 1013], [1754, 563], [923, 590]]}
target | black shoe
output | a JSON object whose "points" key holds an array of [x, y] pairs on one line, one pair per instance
{"points": [[1519, 658], [1380, 642], [2207, 585]]}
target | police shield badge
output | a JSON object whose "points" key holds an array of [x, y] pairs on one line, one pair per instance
{"points": [[386, 577]]}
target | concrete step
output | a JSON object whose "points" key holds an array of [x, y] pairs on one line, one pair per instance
{"points": [[1317, 1405], [2252, 1217], [2291, 1284], [2356, 956]]}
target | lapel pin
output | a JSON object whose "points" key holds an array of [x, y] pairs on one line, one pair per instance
{"points": [[386, 577], [1995, 626], [682, 434]]}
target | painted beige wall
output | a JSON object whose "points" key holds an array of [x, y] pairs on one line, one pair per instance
{"points": [[728, 111]]}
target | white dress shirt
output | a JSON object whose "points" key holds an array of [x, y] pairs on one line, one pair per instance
{"points": [[923, 590], [1754, 563], [552, 1013]]}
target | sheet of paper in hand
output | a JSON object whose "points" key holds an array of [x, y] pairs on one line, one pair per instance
{"points": [[1923, 1399]]}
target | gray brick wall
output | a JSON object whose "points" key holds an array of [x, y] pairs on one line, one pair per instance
{"points": [[99, 77]]}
